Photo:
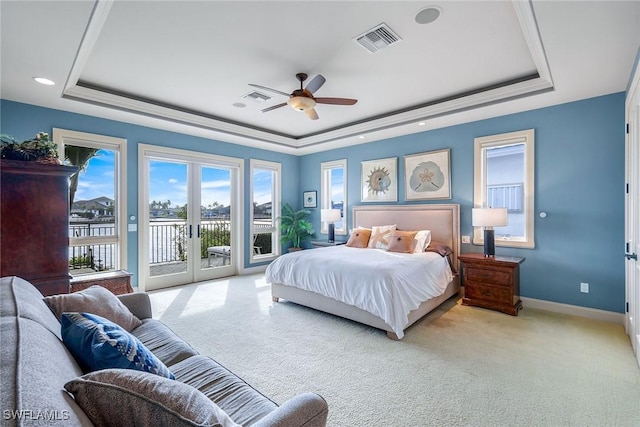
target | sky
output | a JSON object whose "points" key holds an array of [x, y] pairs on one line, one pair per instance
{"points": [[168, 181]]}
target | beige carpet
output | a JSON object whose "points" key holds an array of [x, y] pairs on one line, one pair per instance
{"points": [[458, 366]]}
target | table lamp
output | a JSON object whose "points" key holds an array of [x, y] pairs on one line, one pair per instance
{"points": [[330, 216], [489, 218]]}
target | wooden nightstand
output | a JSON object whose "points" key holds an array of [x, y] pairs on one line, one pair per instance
{"points": [[492, 282], [323, 243]]}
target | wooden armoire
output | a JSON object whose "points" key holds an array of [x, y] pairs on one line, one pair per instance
{"points": [[34, 217]]}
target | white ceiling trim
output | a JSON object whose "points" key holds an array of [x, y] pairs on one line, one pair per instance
{"points": [[233, 132], [529, 25]]}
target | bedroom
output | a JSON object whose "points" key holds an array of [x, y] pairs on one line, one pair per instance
{"points": [[574, 137]]}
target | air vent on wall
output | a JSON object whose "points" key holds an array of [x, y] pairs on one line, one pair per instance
{"points": [[256, 96], [377, 38]]}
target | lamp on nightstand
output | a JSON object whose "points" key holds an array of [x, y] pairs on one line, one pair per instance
{"points": [[489, 218], [330, 216]]}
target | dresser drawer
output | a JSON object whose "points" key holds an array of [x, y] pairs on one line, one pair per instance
{"points": [[481, 291], [494, 276]]}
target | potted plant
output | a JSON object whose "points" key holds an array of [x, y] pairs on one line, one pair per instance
{"points": [[39, 149], [295, 227]]}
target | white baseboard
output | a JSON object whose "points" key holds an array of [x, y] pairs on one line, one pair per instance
{"points": [[574, 310], [252, 270]]}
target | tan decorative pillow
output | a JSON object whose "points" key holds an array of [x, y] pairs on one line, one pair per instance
{"points": [[97, 300], [120, 397], [402, 241], [380, 236], [359, 238]]}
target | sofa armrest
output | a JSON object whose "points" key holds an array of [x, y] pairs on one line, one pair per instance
{"points": [[138, 303], [306, 409]]}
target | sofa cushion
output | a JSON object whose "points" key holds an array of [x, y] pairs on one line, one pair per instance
{"points": [[236, 398], [119, 397], [96, 300], [35, 366], [163, 342], [97, 343], [20, 298]]}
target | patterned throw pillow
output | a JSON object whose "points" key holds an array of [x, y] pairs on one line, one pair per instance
{"points": [[120, 397], [97, 343], [402, 241], [359, 238], [380, 236]]}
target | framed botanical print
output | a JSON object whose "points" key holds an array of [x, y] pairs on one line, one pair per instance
{"points": [[380, 180], [428, 175], [309, 199]]}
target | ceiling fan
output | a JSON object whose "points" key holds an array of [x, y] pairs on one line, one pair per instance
{"points": [[303, 100]]}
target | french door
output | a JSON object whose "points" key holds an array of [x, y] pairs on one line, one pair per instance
{"points": [[189, 216], [632, 214]]}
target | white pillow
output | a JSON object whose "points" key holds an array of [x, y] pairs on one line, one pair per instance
{"points": [[422, 240], [380, 236]]}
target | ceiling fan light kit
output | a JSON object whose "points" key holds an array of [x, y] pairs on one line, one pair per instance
{"points": [[301, 103]]}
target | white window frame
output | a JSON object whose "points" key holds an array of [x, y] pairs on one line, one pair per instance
{"points": [[276, 192], [325, 194], [526, 137], [64, 137]]}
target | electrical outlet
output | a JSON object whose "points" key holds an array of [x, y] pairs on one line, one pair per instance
{"points": [[466, 239], [584, 287]]}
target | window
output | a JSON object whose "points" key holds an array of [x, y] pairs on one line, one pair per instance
{"points": [[504, 178], [97, 200], [265, 200], [334, 193]]}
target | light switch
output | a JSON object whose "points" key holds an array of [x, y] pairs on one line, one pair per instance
{"points": [[132, 227]]}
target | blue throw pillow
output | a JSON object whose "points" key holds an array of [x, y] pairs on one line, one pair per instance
{"points": [[97, 343]]}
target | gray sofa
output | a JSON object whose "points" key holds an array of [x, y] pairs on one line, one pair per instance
{"points": [[36, 365]]}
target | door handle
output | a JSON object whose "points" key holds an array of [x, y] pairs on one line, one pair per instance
{"points": [[190, 231], [631, 256], [198, 231]]}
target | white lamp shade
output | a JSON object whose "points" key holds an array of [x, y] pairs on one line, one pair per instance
{"points": [[330, 215], [489, 217]]}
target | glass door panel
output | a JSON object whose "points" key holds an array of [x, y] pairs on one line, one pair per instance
{"points": [[214, 232], [169, 227]]}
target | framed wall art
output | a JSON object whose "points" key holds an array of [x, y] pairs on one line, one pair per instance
{"points": [[309, 199], [428, 175], [380, 180]]}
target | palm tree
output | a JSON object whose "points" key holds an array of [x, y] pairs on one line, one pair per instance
{"points": [[77, 156]]}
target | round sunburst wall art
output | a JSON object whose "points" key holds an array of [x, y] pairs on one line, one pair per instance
{"points": [[379, 180]]}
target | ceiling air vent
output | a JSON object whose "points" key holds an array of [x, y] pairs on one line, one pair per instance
{"points": [[256, 96], [377, 38]]}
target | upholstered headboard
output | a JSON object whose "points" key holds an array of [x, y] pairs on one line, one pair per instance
{"points": [[442, 220]]}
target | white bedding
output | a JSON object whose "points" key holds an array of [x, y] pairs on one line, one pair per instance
{"points": [[386, 284]]}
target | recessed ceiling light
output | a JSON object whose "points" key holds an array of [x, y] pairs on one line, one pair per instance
{"points": [[44, 81], [362, 137], [422, 123], [239, 105], [428, 14]]}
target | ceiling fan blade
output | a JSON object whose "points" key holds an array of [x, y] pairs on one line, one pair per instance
{"points": [[315, 83], [273, 107], [271, 90], [336, 101], [311, 113]]}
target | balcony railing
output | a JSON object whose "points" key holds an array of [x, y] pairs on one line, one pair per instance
{"points": [[167, 242]]}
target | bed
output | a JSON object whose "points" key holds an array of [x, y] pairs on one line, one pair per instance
{"points": [[443, 220]]}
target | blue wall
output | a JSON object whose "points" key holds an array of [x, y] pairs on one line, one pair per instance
{"points": [[22, 121], [579, 182]]}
